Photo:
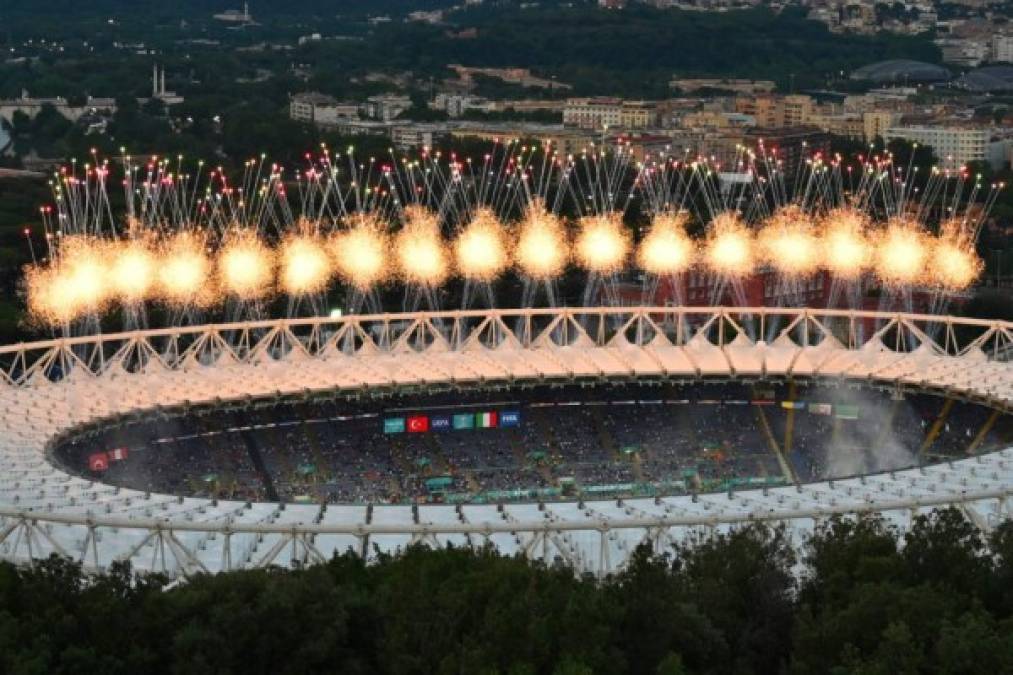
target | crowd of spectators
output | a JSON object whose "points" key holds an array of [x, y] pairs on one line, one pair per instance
{"points": [[615, 438]]}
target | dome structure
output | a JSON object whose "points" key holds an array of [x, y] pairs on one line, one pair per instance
{"points": [[901, 71], [988, 79]]}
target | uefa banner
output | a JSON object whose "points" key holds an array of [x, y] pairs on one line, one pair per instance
{"points": [[510, 418], [440, 422]]}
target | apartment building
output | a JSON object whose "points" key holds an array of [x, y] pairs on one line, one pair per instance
{"points": [[953, 145], [602, 113]]}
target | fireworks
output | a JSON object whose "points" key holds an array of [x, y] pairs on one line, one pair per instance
{"points": [[729, 247], [51, 296], [541, 246], [902, 251], [74, 286], [84, 263], [955, 265], [480, 250], [788, 244], [360, 253], [304, 266], [244, 241], [667, 249], [180, 271], [184, 271], [846, 250], [134, 271], [603, 244], [421, 255], [245, 266]]}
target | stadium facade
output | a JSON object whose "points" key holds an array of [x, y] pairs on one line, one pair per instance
{"points": [[54, 389]]}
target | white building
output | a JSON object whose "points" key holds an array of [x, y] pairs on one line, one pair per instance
{"points": [[963, 52], [241, 16], [599, 113], [954, 146], [1002, 48], [456, 105], [316, 108], [386, 107], [410, 136]]}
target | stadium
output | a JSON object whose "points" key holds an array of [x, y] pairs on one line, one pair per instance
{"points": [[562, 434]]}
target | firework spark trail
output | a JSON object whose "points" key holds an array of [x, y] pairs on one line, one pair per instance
{"points": [[599, 188], [479, 203], [728, 248], [666, 252], [788, 247]]}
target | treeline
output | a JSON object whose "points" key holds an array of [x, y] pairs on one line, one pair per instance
{"points": [[858, 599]]}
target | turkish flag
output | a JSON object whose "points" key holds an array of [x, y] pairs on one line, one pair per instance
{"points": [[98, 462], [418, 424]]}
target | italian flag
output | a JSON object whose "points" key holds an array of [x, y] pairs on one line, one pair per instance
{"points": [[485, 420]]}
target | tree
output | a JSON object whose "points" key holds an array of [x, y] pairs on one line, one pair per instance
{"points": [[742, 582], [154, 107], [907, 153], [999, 596], [712, 607], [671, 665], [945, 548], [21, 122], [843, 553], [49, 124]]}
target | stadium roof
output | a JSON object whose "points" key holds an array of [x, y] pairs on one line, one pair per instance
{"points": [[988, 79], [901, 71], [51, 388]]}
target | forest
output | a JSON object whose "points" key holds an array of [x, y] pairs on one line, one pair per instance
{"points": [[108, 49], [857, 597]]}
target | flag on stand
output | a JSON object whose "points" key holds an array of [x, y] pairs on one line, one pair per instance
{"points": [[393, 425], [844, 411], [98, 462], [485, 420], [418, 424]]}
